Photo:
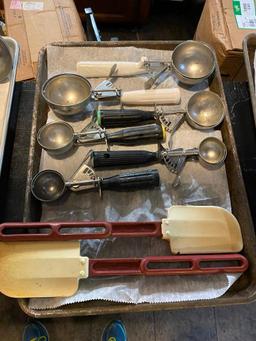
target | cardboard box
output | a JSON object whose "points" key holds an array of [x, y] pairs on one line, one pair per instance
{"points": [[219, 26], [35, 24]]}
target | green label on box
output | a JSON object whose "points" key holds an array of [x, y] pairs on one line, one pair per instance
{"points": [[237, 7], [245, 13]]}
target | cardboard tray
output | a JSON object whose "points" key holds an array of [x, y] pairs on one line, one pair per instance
{"points": [[249, 48], [243, 291]]}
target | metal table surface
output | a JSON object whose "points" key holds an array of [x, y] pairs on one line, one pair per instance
{"points": [[15, 167]]}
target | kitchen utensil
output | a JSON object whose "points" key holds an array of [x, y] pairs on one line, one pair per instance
{"points": [[127, 117], [101, 69], [108, 118], [204, 110], [5, 60], [49, 185], [191, 61], [189, 229], [238, 293], [68, 94], [211, 154], [59, 137], [151, 81], [53, 269]]}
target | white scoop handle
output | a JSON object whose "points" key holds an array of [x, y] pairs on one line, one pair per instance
{"points": [[151, 97], [104, 69]]}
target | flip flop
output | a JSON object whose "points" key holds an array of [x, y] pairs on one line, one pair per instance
{"points": [[35, 331], [114, 331]]}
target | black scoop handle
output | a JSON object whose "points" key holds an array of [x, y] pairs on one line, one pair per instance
{"points": [[123, 158], [123, 118], [137, 135], [135, 180]]}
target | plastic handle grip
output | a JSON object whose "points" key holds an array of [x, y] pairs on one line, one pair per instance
{"points": [[137, 135], [151, 97], [104, 69], [161, 266], [123, 118], [149, 178], [61, 231], [123, 158]]}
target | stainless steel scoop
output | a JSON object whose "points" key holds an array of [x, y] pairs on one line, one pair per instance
{"points": [[59, 137], [56, 137], [68, 94], [5, 60], [49, 185], [211, 153], [204, 110], [191, 61]]}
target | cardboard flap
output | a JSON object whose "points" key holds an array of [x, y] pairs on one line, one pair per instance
{"points": [[35, 26], [212, 28], [236, 34]]}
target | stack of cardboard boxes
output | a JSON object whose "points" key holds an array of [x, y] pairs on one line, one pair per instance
{"points": [[35, 24]]}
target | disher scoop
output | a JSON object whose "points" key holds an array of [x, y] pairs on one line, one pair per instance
{"points": [[59, 137], [49, 185], [68, 94]]}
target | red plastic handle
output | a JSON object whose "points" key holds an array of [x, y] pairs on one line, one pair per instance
{"points": [[160, 266], [88, 230]]}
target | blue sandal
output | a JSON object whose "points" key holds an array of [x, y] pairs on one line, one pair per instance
{"points": [[35, 331], [114, 331]]}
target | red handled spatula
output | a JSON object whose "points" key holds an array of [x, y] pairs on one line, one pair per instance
{"points": [[189, 229], [53, 269]]}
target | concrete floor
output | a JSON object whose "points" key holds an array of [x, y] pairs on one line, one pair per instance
{"points": [[222, 324]]}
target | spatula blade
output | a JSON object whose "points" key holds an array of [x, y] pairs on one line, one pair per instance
{"points": [[41, 269], [201, 229]]}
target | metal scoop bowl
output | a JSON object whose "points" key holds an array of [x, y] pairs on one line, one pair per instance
{"points": [[67, 93], [205, 110], [5, 60], [56, 137], [212, 152], [193, 62], [48, 185]]}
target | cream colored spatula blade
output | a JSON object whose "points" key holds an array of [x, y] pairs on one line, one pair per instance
{"points": [[41, 269], [201, 229]]}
